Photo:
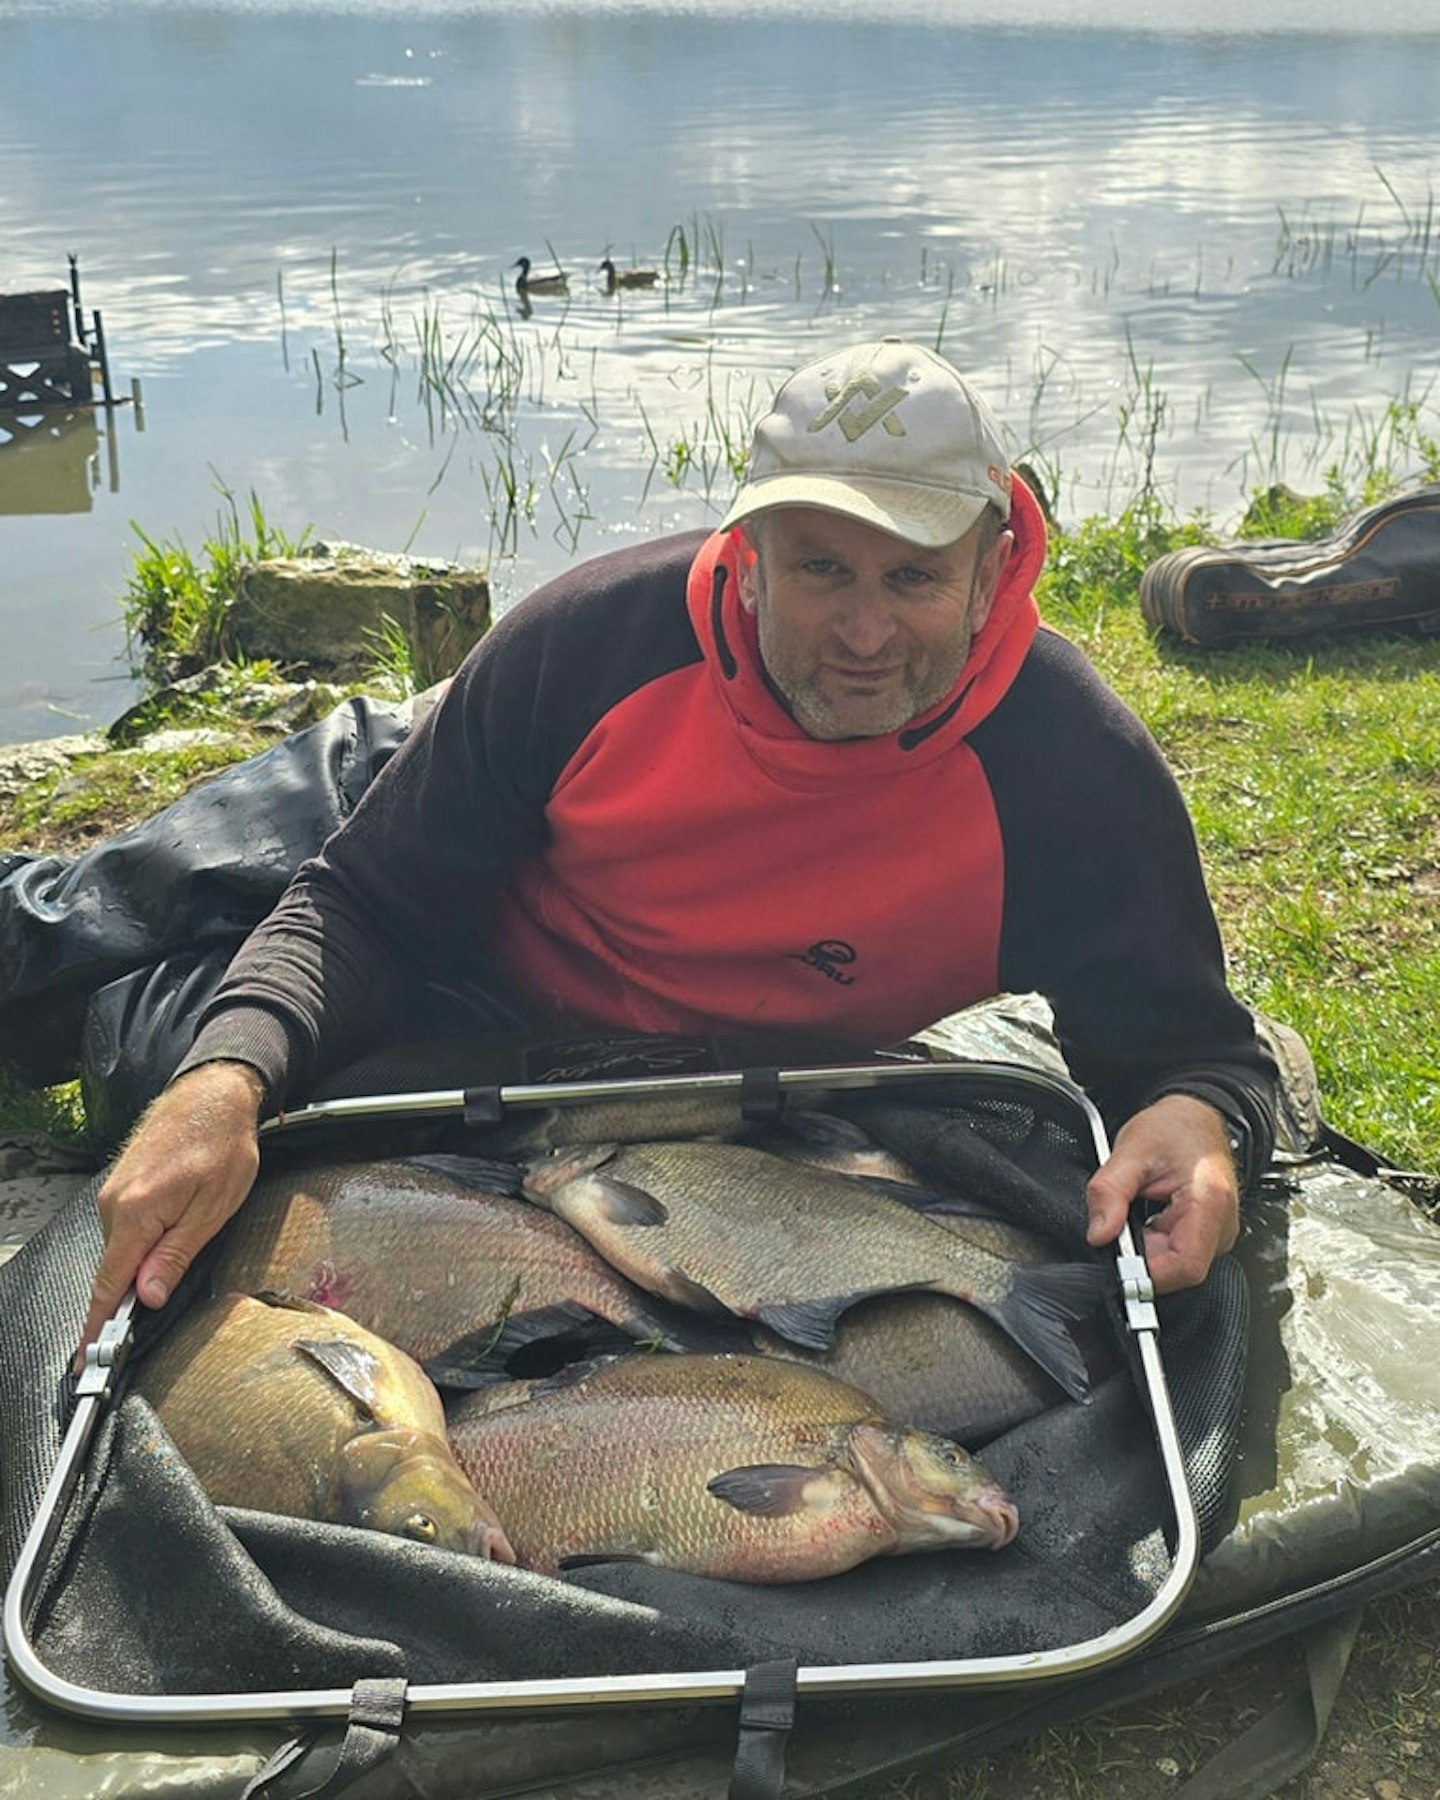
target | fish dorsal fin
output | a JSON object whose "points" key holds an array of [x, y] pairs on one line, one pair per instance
{"points": [[774, 1490], [481, 1174], [921, 1200], [574, 1373], [488, 1349], [353, 1369], [592, 1559], [957, 1206], [825, 1131]]}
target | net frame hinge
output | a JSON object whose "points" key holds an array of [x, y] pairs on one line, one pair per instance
{"points": [[105, 1358], [1137, 1292]]}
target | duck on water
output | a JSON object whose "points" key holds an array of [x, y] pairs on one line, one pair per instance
{"points": [[527, 284], [627, 278]]}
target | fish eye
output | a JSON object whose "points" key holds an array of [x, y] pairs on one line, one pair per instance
{"points": [[423, 1527]]}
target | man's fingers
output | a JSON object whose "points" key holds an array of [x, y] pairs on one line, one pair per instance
{"points": [[107, 1291], [1174, 1263], [131, 1236], [187, 1167], [101, 1309], [1108, 1196], [160, 1273]]}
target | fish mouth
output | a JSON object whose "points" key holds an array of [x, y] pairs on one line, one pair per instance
{"points": [[490, 1541], [989, 1520], [931, 1492], [997, 1517]]}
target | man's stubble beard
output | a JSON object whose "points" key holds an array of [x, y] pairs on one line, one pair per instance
{"points": [[806, 702]]}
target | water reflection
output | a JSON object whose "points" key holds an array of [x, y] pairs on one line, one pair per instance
{"points": [[50, 462], [1165, 253]]}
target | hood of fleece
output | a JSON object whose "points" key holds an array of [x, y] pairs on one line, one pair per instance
{"points": [[728, 636]]}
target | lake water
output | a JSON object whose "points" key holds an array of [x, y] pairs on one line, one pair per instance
{"points": [[1192, 250]]}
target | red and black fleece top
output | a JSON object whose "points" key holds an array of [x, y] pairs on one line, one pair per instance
{"points": [[612, 817]]}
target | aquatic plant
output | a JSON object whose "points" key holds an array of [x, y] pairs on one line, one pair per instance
{"points": [[177, 603]]}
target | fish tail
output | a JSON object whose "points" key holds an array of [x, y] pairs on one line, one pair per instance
{"points": [[1036, 1314]]}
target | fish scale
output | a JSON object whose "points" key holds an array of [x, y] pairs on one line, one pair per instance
{"points": [[427, 1255], [726, 1226], [932, 1362], [285, 1406], [728, 1466]]}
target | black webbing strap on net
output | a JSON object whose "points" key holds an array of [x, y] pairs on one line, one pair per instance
{"points": [[767, 1714], [372, 1731]]}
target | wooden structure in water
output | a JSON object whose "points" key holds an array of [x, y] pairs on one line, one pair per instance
{"points": [[49, 357]]}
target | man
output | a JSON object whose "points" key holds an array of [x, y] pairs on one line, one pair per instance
{"points": [[818, 774]]}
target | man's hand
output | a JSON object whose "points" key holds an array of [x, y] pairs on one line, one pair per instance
{"points": [[187, 1167], [1177, 1152]]}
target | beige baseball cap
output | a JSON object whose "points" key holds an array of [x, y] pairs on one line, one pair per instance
{"points": [[887, 433]]}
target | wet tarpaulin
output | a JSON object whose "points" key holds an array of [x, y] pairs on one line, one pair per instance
{"points": [[143, 924]]}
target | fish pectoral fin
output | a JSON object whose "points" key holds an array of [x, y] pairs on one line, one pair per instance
{"points": [[351, 1367], [589, 1559], [774, 1490], [685, 1291], [484, 1174], [622, 1203], [924, 1200], [810, 1323]]}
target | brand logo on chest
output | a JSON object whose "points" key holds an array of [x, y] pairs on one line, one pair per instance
{"points": [[831, 956]]}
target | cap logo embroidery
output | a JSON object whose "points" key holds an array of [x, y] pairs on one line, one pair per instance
{"points": [[855, 422]]}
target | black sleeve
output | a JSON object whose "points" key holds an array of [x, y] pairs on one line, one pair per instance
{"points": [[1106, 911], [388, 927]]}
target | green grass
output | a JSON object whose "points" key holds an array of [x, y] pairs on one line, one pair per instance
{"points": [[56, 1111], [104, 792], [1312, 773], [176, 606]]}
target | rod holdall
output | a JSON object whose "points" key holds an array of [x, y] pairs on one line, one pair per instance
{"points": [[1379, 570]]}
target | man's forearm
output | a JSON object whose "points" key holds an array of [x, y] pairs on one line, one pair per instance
{"points": [[304, 992]]}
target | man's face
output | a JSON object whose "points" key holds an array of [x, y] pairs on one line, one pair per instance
{"points": [[860, 631]]}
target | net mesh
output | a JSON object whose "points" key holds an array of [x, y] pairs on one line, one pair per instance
{"points": [[341, 1604]]}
